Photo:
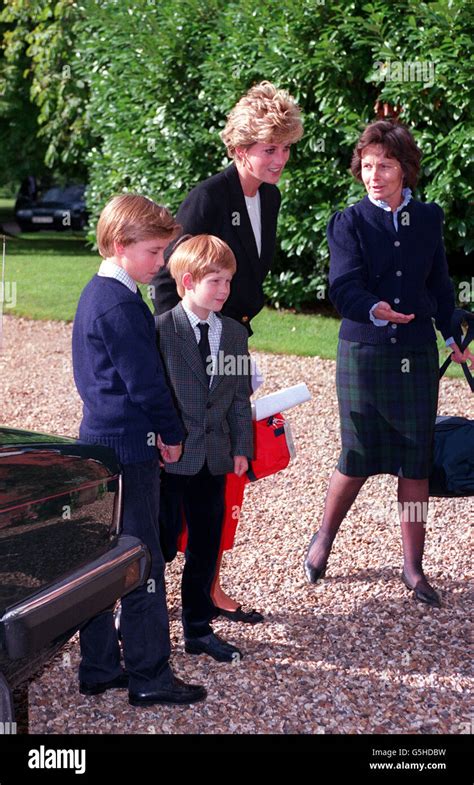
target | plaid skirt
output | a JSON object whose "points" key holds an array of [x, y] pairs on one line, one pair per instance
{"points": [[388, 399]]}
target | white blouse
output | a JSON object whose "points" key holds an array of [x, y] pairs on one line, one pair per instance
{"points": [[255, 215]]}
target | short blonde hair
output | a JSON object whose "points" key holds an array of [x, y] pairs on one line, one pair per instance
{"points": [[263, 114], [200, 255], [131, 218]]}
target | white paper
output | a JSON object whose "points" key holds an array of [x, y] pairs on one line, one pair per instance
{"points": [[280, 401]]}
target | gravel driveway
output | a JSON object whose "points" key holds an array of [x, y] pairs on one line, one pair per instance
{"points": [[355, 654]]}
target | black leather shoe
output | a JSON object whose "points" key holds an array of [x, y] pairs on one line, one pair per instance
{"points": [[214, 646], [91, 688], [423, 592], [174, 692], [246, 617], [313, 574]]}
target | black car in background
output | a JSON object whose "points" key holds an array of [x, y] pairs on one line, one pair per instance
{"points": [[57, 208], [62, 559]]}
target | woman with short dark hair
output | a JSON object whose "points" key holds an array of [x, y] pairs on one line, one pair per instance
{"points": [[388, 279]]}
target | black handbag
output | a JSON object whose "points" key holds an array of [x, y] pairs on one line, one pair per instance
{"points": [[453, 465]]}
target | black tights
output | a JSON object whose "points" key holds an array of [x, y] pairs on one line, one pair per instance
{"points": [[413, 508]]}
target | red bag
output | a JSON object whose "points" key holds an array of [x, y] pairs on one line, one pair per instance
{"points": [[273, 449], [234, 496]]}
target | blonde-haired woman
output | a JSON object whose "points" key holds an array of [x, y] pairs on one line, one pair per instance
{"points": [[240, 206]]}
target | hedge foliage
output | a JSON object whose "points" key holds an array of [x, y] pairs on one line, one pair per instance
{"points": [[136, 93]]}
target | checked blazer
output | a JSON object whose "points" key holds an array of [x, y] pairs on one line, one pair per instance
{"points": [[217, 419], [217, 206]]}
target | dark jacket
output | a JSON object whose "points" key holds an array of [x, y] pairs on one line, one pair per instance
{"points": [[371, 262], [217, 206], [217, 419]]}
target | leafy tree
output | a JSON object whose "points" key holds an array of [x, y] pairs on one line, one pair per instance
{"points": [[22, 154], [47, 107], [136, 94]]}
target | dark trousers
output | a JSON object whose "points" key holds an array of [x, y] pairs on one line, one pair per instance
{"points": [[144, 621], [201, 498]]}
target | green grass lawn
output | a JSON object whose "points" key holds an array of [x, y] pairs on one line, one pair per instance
{"points": [[285, 332], [47, 271]]}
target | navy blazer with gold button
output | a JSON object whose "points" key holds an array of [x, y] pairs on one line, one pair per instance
{"points": [[217, 206]]}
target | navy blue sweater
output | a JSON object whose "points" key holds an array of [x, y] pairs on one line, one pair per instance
{"points": [[371, 262], [119, 373]]}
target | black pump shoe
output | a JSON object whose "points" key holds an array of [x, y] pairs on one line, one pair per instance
{"points": [[313, 574], [215, 647], [423, 592], [246, 617]]}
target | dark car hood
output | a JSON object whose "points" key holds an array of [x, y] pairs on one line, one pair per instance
{"points": [[21, 440]]}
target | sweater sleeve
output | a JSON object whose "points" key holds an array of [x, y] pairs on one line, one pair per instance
{"points": [[130, 344], [347, 272], [440, 285]]}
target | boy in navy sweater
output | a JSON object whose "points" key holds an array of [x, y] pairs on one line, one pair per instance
{"points": [[128, 406]]}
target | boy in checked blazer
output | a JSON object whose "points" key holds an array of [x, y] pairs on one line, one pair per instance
{"points": [[208, 365]]}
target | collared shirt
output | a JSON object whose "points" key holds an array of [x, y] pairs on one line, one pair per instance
{"points": [[109, 269], [407, 195], [215, 332]]}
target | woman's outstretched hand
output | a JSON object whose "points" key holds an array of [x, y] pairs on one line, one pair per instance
{"points": [[385, 311]]}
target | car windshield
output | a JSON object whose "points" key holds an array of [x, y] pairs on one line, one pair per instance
{"points": [[69, 194]]}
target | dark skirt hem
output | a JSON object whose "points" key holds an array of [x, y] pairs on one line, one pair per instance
{"points": [[374, 473]]}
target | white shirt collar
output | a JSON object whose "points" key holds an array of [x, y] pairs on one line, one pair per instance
{"points": [[195, 320], [109, 269], [406, 193]]}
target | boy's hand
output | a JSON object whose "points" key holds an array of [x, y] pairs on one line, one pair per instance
{"points": [[171, 453], [241, 465]]}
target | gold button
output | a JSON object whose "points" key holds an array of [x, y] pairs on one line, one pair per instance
{"points": [[245, 318]]}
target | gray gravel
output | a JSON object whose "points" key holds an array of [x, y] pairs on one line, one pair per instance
{"points": [[355, 654]]}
